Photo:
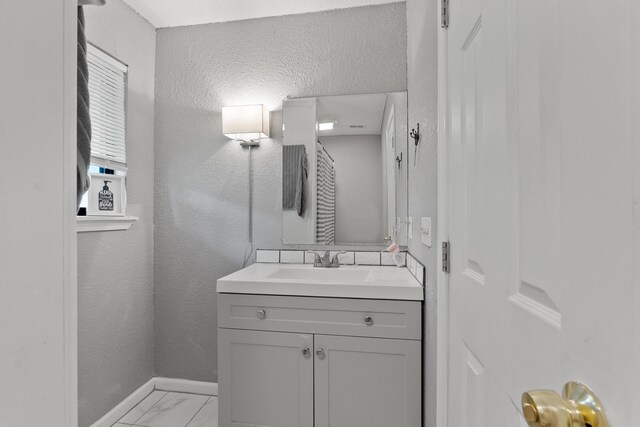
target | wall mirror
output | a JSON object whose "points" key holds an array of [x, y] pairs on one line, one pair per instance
{"points": [[345, 170]]}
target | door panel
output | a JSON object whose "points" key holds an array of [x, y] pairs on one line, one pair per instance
{"points": [[470, 312], [265, 379], [471, 122], [365, 382], [543, 203], [474, 387]]}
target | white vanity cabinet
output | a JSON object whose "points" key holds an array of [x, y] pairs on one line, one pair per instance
{"points": [[305, 361]]}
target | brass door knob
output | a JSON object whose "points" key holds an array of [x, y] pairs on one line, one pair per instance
{"points": [[578, 406]]}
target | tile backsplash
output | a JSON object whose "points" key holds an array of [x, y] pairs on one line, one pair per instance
{"points": [[387, 258], [348, 258], [368, 258], [292, 257], [268, 256]]}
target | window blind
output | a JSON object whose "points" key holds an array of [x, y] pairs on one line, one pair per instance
{"points": [[107, 91]]}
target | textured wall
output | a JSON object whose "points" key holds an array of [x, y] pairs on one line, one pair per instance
{"points": [[201, 177], [422, 57], [115, 269]]}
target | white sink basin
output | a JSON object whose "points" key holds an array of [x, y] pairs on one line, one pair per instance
{"points": [[353, 281], [341, 274]]}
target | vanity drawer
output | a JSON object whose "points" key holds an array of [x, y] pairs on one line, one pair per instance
{"points": [[330, 316]]}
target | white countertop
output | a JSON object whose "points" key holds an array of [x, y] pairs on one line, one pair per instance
{"points": [[348, 281]]}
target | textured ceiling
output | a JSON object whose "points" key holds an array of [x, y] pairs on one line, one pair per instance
{"points": [[177, 13]]}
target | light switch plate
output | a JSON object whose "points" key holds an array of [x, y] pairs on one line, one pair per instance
{"points": [[425, 231]]}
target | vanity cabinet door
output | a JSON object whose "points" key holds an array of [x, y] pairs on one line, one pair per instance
{"points": [[265, 379], [367, 382]]}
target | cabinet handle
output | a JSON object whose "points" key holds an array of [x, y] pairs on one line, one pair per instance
{"points": [[262, 314], [320, 353], [306, 352], [368, 320]]}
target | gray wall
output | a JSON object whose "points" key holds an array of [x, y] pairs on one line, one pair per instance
{"points": [[359, 208], [115, 269], [422, 55], [202, 177]]}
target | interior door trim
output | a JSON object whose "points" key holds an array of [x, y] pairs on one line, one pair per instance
{"points": [[442, 278], [68, 229]]}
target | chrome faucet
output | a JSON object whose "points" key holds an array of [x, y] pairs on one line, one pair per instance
{"points": [[325, 260]]}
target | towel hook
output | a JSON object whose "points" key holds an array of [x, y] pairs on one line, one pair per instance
{"points": [[399, 159], [415, 134]]}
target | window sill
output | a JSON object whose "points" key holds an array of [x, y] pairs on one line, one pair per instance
{"points": [[104, 223]]}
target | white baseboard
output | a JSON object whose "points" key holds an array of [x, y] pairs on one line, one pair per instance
{"points": [[155, 383], [186, 386]]}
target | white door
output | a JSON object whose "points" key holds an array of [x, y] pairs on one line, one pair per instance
{"points": [[544, 186]]}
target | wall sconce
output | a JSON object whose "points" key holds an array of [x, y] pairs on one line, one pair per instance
{"points": [[247, 123]]}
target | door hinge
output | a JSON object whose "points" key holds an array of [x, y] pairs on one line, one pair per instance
{"points": [[446, 260], [444, 13]]}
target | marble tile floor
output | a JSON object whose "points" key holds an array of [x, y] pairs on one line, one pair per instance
{"points": [[169, 409]]}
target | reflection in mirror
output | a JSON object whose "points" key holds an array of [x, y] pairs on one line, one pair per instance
{"points": [[344, 169]]}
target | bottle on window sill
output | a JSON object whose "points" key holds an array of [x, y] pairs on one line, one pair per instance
{"points": [[105, 198]]}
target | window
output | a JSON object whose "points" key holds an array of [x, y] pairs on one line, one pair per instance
{"points": [[108, 108], [108, 95]]}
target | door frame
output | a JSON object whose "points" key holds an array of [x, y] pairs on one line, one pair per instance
{"points": [[41, 331], [69, 225], [390, 156], [442, 278]]}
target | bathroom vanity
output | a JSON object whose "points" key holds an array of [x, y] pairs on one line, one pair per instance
{"points": [[300, 346], [304, 346]]}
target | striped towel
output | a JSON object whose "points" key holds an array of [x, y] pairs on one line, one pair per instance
{"points": [[84, 119], [294, 178], [326, 197]]}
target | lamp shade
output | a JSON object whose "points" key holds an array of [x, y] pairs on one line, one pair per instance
{"points": [[245, 122]]}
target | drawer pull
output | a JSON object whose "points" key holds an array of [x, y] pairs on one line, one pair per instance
{"points": [[368, 320], [320, 353], [306, 352], [262, 314]]}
